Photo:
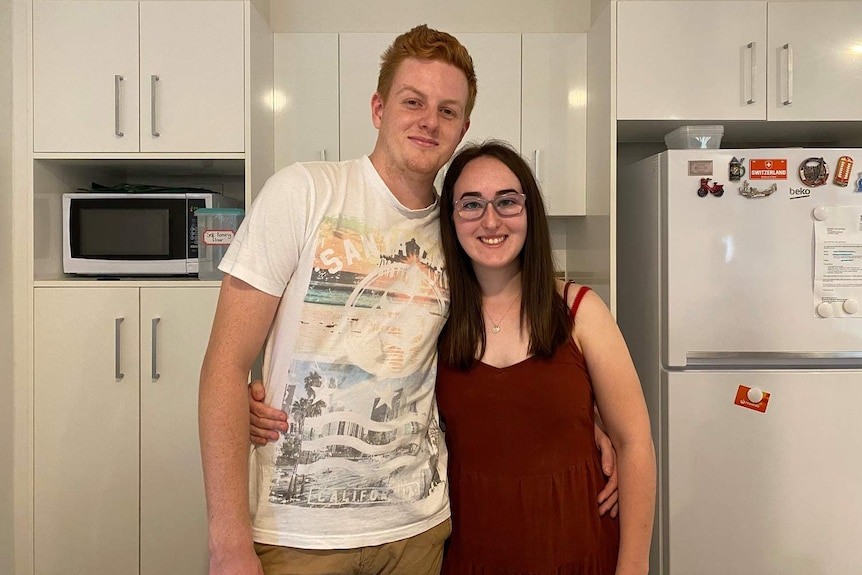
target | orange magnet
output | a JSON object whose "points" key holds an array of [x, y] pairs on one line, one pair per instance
{"points": [[842, 171], [751, 398]]}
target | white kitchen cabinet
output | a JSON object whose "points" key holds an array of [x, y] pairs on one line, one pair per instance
{"points": [[739, 60], [118, 481], [497, 61], [823, 78], [125, 76], [691, 60], [358, 67], [554, 118], [306, 98]]}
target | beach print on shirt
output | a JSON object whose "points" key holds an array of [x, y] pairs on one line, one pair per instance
{"points": [[360, 428]]}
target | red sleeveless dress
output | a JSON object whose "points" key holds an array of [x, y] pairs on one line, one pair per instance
{"points": [[524, 472]]}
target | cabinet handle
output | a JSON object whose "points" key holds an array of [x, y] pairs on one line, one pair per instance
{"points": [[155, 362], [117, 373], [789, 49], [153, 81], [117, 80], [537, 158], [323, 155], [752, 60]]}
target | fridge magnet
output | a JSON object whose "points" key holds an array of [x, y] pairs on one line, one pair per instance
{"points": [[700, 167], [748, 191], [813, 172], [842, 171], [705, 188], [736, 169], [859, 183], [771, 169], [751, 398]]}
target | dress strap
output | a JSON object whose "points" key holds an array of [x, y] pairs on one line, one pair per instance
{"points": [[580, 295]]}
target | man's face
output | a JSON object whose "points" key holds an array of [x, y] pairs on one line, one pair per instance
{"points": [[422, 119]]}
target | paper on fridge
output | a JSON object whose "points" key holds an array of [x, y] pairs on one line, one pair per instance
{"points": [[837, 261]]}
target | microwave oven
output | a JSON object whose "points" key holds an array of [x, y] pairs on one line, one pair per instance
{"points": [[118, 234]]}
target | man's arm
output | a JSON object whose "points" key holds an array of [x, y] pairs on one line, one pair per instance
{"points": [[241, 323]]}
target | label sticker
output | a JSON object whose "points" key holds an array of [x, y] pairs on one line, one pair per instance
{"points": [[700, 167], [746, 396], [767, 169], [218, 237]]}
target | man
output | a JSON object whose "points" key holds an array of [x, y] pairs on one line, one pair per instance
{"points": [[338, 269]]}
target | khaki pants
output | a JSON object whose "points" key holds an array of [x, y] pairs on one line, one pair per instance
{"points": [[418, 555]]}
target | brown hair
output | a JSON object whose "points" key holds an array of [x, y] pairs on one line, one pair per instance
{"points": [[543, 310], [429, 44]]}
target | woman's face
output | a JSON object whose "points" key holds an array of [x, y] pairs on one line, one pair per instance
{"points": [[493, 241]]}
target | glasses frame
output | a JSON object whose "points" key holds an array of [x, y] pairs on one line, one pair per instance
{"points": [[485, 203]]}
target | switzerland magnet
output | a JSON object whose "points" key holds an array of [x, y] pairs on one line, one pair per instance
{"points": [[767, 170]]}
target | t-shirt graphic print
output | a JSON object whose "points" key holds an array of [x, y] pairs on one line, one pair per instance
{"points": [[356, 421]]}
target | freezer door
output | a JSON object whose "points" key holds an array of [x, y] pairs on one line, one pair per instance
{"points": [[772, 493], [738, 272]]}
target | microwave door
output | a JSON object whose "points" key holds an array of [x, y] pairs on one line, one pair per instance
{"points": [[126, 235]]}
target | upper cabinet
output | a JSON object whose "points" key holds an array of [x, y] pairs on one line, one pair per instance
{"points": [[814, 64], [306, 97], [117, 76], [554, 118], [742, 60], [324, 84]]}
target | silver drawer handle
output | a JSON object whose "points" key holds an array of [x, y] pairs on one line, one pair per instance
{"points": [[117, 373], [153, 81], [117, 80], [752, 55], [155, 362], [789, 49]]}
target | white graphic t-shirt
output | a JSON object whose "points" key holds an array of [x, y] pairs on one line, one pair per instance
{"points": [[351, 358]]}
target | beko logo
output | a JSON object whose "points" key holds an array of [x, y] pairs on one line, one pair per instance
{"points": [[796, 193]]}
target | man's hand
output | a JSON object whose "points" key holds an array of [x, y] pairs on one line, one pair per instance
{"points": [[609, 496], [264, 422]]}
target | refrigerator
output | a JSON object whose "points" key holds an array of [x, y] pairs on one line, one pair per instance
{"points": [[739, 289]]}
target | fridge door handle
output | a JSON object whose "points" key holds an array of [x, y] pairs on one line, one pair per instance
{"points": [[773, 359]]}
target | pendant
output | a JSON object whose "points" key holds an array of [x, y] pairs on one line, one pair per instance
{"points": [[496, 329]]}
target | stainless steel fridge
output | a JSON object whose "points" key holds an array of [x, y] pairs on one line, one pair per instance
{"points": [[739, 290]]}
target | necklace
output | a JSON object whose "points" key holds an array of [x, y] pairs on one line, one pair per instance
{"points": [[495, 325]]}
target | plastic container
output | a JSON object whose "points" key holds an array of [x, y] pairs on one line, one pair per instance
{"points": [[694, 137], [216, 229]]}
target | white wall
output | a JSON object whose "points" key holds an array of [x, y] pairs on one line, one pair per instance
{"points": [[6, 400], [449, 15]]}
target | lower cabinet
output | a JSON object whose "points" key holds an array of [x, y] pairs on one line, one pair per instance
{"points": [[118, 480]]}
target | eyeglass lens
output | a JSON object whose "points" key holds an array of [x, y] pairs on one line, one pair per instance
{"points": [[474, 208]]}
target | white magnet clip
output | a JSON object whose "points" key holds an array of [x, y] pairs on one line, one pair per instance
{"points": [[821, 213], [824, 309]]}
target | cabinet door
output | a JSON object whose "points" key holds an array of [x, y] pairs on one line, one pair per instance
{"points": [[815, 61], [86, 430], [554, 118], [497, 61], [358, 67], [691, 60], [306, 88], [175, 329], [192, 76], [85, 76]]}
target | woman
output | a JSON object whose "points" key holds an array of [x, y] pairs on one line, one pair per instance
{"points": [[516, 391], [519, 370]]}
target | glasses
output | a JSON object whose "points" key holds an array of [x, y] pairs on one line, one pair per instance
{"points": [[472, 208]]}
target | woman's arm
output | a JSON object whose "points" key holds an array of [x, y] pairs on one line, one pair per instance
{"points": [[623, 410]]}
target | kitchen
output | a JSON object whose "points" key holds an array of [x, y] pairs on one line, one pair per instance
{"points": [[583, 242]]}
